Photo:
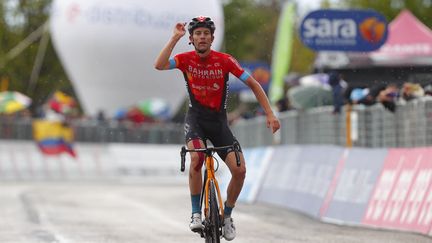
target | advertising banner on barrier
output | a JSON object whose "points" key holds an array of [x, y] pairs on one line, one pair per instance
{"points": [[298, 177], [22, 160], [151, 160], [402, 198], [359, 174], [257, 160]]}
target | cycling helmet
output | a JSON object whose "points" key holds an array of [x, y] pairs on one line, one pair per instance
{"points": [[201, 21]]}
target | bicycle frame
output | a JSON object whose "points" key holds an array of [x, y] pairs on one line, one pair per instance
{"points": [[209, 163], [209, 179]]}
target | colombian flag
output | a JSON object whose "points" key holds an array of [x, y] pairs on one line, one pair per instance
{"points": [[53, 137]]}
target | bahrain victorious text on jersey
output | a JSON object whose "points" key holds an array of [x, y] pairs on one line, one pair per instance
{"points": [[207, 78]]}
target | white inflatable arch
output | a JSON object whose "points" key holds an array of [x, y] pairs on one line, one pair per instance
{"points": [[108, 48]]}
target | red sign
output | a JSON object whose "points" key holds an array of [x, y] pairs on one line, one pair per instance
{"points": [[402, 198]]}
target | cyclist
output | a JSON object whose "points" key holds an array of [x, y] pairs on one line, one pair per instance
{"points": [[206, 74]]}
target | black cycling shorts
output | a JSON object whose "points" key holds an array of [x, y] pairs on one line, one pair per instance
{"points": [[212, 128]]}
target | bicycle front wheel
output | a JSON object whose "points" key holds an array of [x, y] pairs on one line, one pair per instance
{"points": [[214, 221]]}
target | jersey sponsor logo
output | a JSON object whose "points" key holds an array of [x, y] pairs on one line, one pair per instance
{"points": [[214, 87], [215, 73]]}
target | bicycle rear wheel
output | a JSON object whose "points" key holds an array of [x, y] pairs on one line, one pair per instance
{"points": [[214, 222]]}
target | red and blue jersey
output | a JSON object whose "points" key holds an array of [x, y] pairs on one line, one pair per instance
{"points": [[207, 78]]}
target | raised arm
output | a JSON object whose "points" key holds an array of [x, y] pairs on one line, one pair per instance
{"points": [[272, 120], [162, 61]]}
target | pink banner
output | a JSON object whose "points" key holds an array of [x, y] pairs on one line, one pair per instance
{"points": [[402, 198]]}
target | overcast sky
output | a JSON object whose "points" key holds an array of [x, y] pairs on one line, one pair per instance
{"points": [[305, 6], [309, 4]]}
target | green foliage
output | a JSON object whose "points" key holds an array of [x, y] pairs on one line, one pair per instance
{"points": [[302, 57], [250, 29], [16, 23], [422, 9]]}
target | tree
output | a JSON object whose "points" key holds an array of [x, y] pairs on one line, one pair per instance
{"points": [[250, 29], [18, 19], [422, 9]]}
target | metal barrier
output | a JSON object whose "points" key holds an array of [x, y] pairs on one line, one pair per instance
{"points": [[161, 133], [374, 126], [107, 132]]}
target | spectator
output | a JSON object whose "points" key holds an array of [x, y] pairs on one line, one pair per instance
{"points": [[389, 96], [371, 97], [284, 104], [411, 91], [428, 90], [357, 94], [354, 93], [335, 82], [379, 93], [101, 118]]}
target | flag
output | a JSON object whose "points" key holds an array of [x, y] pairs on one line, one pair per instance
{"points": [[53, 137], [282, 51], [62, 103], [13, 101]]}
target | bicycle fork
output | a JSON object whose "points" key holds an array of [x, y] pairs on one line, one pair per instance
{"points": [[211, 177], [210, 174]]}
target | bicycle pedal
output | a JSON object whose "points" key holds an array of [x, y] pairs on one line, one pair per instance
{"points": [[198, 230]]}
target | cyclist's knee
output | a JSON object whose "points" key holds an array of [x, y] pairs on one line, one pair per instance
{"points": [[194, 173], [197, 160], [239, 173]]}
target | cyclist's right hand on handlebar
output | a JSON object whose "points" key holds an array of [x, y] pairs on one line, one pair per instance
{"points": [[183, 159]]}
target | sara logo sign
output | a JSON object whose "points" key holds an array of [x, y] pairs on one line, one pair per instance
{"points": [[343, 30]]}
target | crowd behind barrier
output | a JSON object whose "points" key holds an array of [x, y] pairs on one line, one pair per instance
{"points": [[370, 126]]}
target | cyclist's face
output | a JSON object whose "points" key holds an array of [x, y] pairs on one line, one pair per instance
{"points": [[202, 39]]}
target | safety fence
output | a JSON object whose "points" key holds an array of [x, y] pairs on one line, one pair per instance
{"points": [[372, 126], [101, 132], [372, 187], [23, 161]]}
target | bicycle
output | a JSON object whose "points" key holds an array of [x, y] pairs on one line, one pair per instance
{"points": [[213, 206]]}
